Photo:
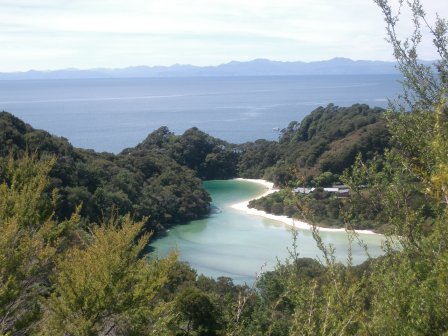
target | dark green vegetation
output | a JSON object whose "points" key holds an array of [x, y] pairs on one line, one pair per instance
{"points": [[321, 146], [326, 141], [59, 278], [209, 157], [143, 182], [326, 207], [315, 153]]}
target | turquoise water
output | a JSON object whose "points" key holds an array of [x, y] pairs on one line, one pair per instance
{"points": [[238, 245]]}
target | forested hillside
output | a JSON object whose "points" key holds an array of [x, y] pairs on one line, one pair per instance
{"points": [[209, 157], [315, 153], [325, 141], [145, 183]]}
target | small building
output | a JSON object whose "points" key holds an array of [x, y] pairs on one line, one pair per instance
{"points": [[331, 190], [303, 190], [339, 190]]}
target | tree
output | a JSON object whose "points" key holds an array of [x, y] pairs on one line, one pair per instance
{"points": [[57, 279], [197, 311], [29, 241], [423, 88], [408, 291], [107, 287]]}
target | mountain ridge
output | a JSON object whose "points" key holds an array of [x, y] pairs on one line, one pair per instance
{"points": [[256, 67]]}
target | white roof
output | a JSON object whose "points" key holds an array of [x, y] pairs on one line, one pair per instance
{"points": [[331, 189], [303, 190]]}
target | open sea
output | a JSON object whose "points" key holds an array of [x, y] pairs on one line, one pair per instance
{"points": [[113, 114]]}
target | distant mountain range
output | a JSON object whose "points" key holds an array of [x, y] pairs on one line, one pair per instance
{"points": [[258, 67]]}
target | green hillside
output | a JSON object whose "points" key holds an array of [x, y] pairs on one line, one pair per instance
{"points": [[146, 183], [209, 157], [326, 140]]}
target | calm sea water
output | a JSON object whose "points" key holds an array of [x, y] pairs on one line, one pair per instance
{"points": [[113, 114], [234, 244]]}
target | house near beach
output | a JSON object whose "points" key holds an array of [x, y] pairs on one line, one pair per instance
{"points": [[340, 190]]}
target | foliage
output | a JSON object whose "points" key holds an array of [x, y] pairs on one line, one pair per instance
{"points": [[198, 312], [405, 291], [325, 141], [209, 157], [256, 157], [106, 287], [422, 86], [60, 277], [329, 138], [146, 183], [323, 208], [29, 242]]}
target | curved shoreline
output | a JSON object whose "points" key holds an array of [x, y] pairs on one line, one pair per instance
{"points": [[244, 206]]}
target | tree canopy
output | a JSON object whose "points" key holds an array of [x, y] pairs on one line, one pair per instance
{"points": [[147, 183]]}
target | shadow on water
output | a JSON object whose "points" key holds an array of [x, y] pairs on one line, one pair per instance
{"points": [[214, 210], [163, 233], [148, 249]]}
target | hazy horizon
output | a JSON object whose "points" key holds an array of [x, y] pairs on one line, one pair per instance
{"points": [[87, 34], [205, 66]]}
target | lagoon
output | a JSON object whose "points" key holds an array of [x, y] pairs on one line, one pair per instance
{"points": [[235, 244]]}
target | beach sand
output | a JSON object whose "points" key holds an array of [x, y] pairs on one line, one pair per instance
{"points": [[243, 206]]}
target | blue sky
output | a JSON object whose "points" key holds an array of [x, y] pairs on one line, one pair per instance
{"points": [[56, 34]]}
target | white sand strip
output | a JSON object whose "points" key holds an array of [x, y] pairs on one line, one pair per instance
{"points": [[244, 206]]}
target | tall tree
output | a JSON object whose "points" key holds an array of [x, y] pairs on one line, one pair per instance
{"points": [[106, 287], [29, 241]]}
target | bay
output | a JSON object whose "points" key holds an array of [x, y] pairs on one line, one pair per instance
{"points": [[113, 114], [238, 245]]}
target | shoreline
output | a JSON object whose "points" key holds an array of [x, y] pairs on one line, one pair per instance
{"points": [[243, 206]]}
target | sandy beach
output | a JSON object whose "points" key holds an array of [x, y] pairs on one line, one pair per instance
{"points": [[243, 206]]}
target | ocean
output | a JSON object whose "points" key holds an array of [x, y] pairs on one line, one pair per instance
{"points": [[113, 114]]}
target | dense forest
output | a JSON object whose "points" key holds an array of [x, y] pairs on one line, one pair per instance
{"points": [[321, 147], [146, 183], [324, 142], [323, 208], [74, 224], [315, 153], [318, 152], [209, 157]]}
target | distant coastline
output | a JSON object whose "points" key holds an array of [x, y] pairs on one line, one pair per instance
{"points": [[257, 67], [244, 206]]}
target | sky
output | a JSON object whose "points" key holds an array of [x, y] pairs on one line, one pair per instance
{"points": [[59, 34]]}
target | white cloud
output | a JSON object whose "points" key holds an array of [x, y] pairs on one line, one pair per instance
{"points": [[112, 33]]}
